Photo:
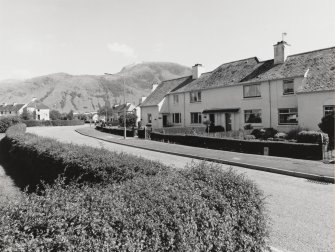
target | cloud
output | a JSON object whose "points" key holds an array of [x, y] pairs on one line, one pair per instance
{"points": [[123, 49]]}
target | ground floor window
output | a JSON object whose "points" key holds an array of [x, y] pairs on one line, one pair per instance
{"points": [[149, 118], [253, 116], [328, 110], [196, 118], [176, 117], [288, 116]]}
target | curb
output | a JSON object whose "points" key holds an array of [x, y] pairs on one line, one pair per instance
{"points": [[221, 161]]}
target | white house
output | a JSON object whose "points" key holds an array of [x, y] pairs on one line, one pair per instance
{"points": [[36, 107], [282, 93]]}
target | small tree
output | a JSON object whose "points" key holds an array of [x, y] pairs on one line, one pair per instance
{"points": [[26, 115], [55, 115], [69, 116], [327, 126], [130, 120]]}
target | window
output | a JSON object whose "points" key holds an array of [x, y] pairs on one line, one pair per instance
{"points": [[328, 110], [175, 99], [176, 118], [195, 96], [149, 118], [288, 87], [253, 116], [252, 91], [195, 118], [288, 116]]}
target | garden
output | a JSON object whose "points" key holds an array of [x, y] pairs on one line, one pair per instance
{"points": [[84, 198]]}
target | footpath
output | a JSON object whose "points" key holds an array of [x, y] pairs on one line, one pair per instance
{"points": [[308, 169]]}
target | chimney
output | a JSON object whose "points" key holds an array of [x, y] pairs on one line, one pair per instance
{"points": [[197, 70], [154, 86], [142, 99], [280, 52]]}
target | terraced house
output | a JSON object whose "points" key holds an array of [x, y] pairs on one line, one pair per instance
{"points": [[282, 93]]}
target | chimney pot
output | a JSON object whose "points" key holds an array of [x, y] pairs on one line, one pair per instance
{"points": [[280, 52], [197, 70]]}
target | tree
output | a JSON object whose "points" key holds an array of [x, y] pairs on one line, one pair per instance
{"points": [[26, 115], [55, 115], [327, 126], [130, 120], [102, 111], [69, 116]]}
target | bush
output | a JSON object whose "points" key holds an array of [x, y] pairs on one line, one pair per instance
{"points": [[312, 137], [280, 135], [216, 128], [19, 129], [327, 126], [35, 123], [293, 133], [199, 209], [7, 121], [119, 131], [249, 137], [264, 133]]}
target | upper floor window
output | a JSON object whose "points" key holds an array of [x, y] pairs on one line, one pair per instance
{"points": [[288, 87], [328, 110], [195, 118], [175, 99], [252, 91], [253, 116], [195, 96], [288, 116], [176, 118], [149, 118]]}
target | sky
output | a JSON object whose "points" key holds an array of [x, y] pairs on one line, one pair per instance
{"points": [[39, 37]]}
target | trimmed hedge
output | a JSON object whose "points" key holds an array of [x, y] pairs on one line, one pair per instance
{"points": [[38, 158], [312, 137], [119, 132], [34, 123], [7, 121], [200, 209], [280, 149], [141, 133]]}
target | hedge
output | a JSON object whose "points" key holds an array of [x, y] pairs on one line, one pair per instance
{"points": [[200, 209], [7, 121], [34, 123], [141, 133], [114, 131], [280, 149], [37, 158]]}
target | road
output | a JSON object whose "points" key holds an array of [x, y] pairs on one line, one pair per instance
{"points": [[302, 211]]}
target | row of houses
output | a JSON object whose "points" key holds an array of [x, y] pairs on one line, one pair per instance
{"points": [[283, 93], [34, 107]]}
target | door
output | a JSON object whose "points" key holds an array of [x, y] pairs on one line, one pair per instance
{"points": [[228, 121], [164, 120], [212, 119]]}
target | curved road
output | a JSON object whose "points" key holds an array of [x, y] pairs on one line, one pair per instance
{"points": [[302, 212]]}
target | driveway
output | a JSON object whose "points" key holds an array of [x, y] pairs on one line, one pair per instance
{"points": [[302, 211]]}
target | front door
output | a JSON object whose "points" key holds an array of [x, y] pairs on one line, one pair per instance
{"points": [[164, 120], [212, 119], [228, 121]]}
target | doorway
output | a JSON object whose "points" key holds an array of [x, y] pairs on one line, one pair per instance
{"points": [[212, 119], [228, 121], [164, 120]]}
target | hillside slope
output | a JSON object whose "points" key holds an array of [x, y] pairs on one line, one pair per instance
{"points": [[83, 93]]}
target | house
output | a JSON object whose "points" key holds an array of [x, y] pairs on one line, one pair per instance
{"points": [[11, 109], [38, 109], [283, 93]]}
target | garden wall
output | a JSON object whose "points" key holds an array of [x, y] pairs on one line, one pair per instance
{"points": [[280, 149], [119, 132]]}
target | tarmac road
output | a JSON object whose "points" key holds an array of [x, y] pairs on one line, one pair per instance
{"points": [[302, 212]]}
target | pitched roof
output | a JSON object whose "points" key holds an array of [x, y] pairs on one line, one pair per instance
{"points": [[163, 89], [11, 107], [37, 105], [318, 66], [225, 75]]}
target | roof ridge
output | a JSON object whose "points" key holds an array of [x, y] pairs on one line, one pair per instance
{"points": [[238, 61], [333, 47], [176, 78]]}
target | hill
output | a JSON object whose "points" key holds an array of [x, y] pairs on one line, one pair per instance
{"points": [[83, 93]]}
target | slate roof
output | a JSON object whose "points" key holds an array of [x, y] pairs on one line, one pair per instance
{"points": [[37, 104], [11, 107], [317, 66], [163, 89]]}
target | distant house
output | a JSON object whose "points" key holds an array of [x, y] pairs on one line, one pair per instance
{"points": [[118, 110], [285, 92], [38, 109], [11, 109]]}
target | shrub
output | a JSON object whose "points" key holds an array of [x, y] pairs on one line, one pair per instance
{"points": [[199, 209], [249, 137], [327, 126], [130, 120], [312, 137], [216, 128], [264, 133], [35, 123], [293, 133], [19, 129], [7, 121], [248, 127]]}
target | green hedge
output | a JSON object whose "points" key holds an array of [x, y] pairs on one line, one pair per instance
{"points": [[280, 149], [34, 123], [200, 209], [119, 132], [7, 121]]}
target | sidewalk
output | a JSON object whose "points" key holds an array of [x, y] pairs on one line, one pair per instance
{"points": [[314, 170]]}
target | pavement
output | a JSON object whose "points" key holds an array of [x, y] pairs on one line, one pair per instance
{"points": [[308, 169]]}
